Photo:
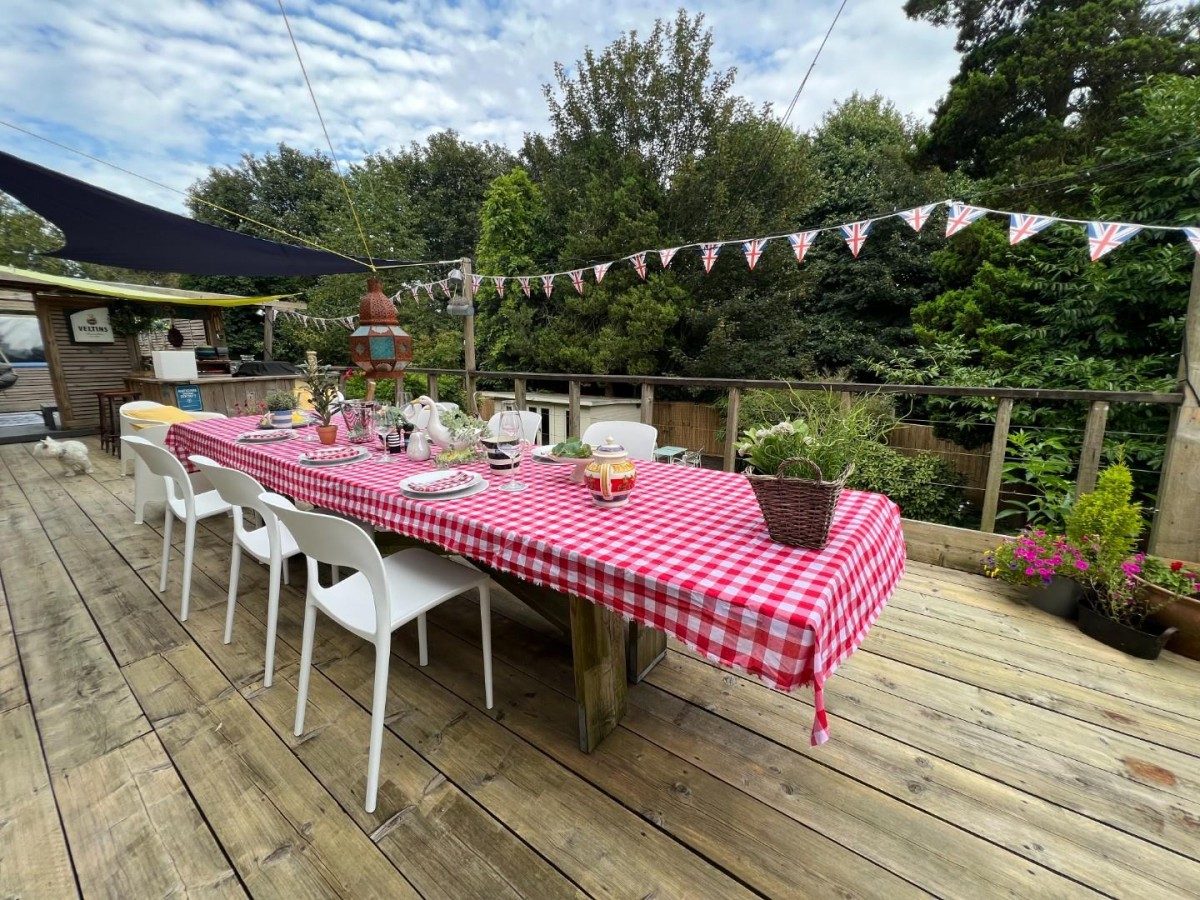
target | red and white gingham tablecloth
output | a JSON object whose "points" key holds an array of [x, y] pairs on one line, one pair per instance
{"points": [[688, 555]]}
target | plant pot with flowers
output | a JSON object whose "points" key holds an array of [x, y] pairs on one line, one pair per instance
{"points": [[1173, 587], [1048, 565], [324, 383]]}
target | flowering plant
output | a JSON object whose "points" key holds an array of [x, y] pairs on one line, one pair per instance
{"points": [[767, 448], [249, 408], [1033, 558], [1123, 597], [1171, 575]]}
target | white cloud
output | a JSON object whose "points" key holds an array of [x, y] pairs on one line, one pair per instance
{"points": [[167, 89]]}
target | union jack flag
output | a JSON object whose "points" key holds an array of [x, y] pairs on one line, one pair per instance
{"points": [[444, 284], [415, 297], [961, 215], [667, 255], [856, 235], [476, 281], [524, 279], [1193, 236], [547, 284], [1106, 236], [918, 216], [801, 242], [709, 253], [600, 271], [499, 282], [577, 279], [754, 249], [1021, 226], [429, 290], [639, 263]]}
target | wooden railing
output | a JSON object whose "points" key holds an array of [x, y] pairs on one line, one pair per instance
{"points": [[1098, 405]]}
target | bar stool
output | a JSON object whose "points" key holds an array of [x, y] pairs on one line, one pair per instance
{"points": [[107, 404]]}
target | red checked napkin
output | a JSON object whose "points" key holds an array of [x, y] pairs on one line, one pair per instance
{"points": [[332, 453], [458, 479]]}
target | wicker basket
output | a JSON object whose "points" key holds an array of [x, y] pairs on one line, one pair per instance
{"points": [[798, 511]]}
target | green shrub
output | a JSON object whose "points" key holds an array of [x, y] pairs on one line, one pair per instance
{"points": [[925, 486], [1106, 522]]}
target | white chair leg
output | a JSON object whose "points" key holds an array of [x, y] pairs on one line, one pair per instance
{"points": [[423, 639], [168, 526], [378, 706], [306, 650], [485, 621], [337, 575], [284, 565], [272, 619], [139, 511], [235, 574], [189, 548]]}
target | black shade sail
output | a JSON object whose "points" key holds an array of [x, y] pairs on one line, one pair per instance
{"points": [[106, 228]]}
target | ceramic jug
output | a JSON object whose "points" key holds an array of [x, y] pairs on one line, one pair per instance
{"points": [[610, 475], [418, 446]]}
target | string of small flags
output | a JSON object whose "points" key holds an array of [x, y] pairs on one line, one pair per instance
{"points": [[1103, 238], [317, 322]]}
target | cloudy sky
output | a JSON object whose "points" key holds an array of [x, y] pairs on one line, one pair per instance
{"points": [[168, 88]]}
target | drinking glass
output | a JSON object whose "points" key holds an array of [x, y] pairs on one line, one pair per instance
{"points": [[383, 427], [509, 440]]}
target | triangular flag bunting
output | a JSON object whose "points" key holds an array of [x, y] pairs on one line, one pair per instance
{"points": [[961, 215], [1193, 236], [753, 249], [577, 279], [498, 281], [856, 235], [1104, 237], [415, 297], [639, 263], [666, 256], [444, 284], [547, 284], [524, 280], [918, 216], [709, 253], [600, 271], [801, 242], [476, 281], [1021, 226], [428, 290]]}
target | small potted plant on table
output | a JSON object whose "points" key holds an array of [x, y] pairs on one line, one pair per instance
{"points": [[323, 383], [1047, 564], [280, 405]]}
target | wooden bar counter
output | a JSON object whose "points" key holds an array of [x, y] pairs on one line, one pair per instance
{"points": [[218, 393]]}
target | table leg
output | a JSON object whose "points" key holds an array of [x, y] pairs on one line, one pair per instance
{"points": [[598, 638], [645, 649]]}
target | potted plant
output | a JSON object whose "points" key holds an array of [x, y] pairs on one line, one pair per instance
{"points": [[1047, 564], [323, 382], [1174, 588], [280, 405], [1119, 612]]}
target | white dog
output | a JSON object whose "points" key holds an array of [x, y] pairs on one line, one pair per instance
{"points": [[72, 454]]}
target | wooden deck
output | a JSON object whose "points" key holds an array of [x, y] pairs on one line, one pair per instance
{"points": [[979, 748]]}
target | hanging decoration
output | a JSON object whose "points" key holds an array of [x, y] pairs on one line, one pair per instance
{"points": [[1104, 237], [753, 249], [961, 215], [801, 242], [476, 281], [639, 264], [1022, 225], [444, 284], [577, 279], [379, 346], [547, 284], [667, 255], [600, 271], [498, 281], [709, 254], [856, 234], [919, 215], [1193, 236], [524, 280]]}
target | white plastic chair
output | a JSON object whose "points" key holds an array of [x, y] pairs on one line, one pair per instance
{"points": [[378, 598], [531, 425], [183, 503], [635, 437], [271, 543], [147, 487], [131, 426]]}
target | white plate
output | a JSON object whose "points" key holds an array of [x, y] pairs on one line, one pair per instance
{"points": [[435, 484], [542, 454], [265, 437], [477, 488], [315, 458]]}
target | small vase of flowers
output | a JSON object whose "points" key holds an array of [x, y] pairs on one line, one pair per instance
{"points": [[1047, 564]]}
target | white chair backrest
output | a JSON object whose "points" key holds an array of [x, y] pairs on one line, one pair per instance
{"points": [[531, 424], [635, 437], [238, 490], [132, 405], [338, 542], [161, 461]]}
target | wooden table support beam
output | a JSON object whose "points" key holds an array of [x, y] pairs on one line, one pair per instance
{"points": [[601, 693]]}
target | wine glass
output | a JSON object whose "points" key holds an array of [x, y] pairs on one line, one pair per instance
{"points": [[510, 438], [384, 424]]}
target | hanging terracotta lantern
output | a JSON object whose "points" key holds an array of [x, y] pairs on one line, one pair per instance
{"points": [[379, 346]]}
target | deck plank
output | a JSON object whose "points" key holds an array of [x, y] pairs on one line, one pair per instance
{"points": [[12, 679], [33, 851]]}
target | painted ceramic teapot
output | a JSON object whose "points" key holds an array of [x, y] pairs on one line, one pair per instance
{"points": [[610, 475]]}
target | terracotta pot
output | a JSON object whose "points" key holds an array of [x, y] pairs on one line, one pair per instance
{"points": [[1182, 613], [1126, 638], [1059, 598], [327, 433]]}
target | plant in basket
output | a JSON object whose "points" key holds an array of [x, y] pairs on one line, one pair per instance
{"points": [[1048, 564]]}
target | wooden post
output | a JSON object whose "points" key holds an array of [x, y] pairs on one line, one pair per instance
{"points": [[732, 415], [468, 338], [1093, 444], [574, 417], [433, 381], [601, 692], [268, 332], [647, 404], [519, 396], [1176, 530], [991, 491]]}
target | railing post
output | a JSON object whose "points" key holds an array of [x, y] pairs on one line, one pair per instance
{"points": [[647, 404], [519, 393], [991, 490], [433, 388], [732, 414], [1093, 444], [574, 419]]}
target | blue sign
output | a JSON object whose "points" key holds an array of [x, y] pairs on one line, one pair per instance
{"points": [[187, 397]]}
